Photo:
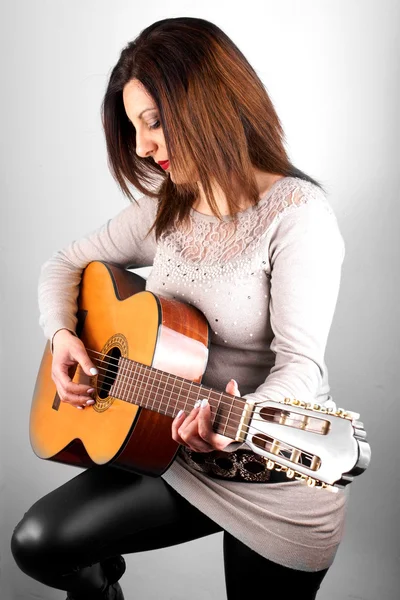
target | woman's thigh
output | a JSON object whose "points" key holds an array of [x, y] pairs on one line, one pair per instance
{"points": [[100, 513]]}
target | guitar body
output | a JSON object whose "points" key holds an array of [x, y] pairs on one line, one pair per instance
{"points": [[118, 318]]}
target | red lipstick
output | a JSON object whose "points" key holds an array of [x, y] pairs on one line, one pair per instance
{"points": [[164, 164]]}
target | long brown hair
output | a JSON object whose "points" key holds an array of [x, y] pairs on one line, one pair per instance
{"points": [[214, 111]]}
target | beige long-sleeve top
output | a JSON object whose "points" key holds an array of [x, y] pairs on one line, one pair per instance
{"points": [[268, 288]]}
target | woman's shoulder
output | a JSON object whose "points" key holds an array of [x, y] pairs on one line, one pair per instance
{"points": [[286, 197], [293, 192], [138, 215], [145, 204]]}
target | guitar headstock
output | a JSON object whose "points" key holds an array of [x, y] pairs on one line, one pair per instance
{"points": [[318, 445]]}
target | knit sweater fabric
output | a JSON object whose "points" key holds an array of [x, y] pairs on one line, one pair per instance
{"points": [[268, 286]]}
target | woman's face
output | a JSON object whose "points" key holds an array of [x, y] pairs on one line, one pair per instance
{"points": [[143, 114]]}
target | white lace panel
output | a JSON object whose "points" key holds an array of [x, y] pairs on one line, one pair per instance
{"points": [[208, 241]]}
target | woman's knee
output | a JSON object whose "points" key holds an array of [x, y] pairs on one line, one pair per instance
{"points": [[32, 546]]}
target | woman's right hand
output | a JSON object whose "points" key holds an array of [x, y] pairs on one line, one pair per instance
{"points": [[68, 351]]}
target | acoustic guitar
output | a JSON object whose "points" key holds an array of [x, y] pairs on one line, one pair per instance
{"points": [[151, 353]]}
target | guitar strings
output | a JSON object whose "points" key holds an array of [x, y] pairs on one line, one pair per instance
{"points": [[156, 389], [126, 379], [247, 429]]}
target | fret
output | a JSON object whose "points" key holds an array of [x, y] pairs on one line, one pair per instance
{"points": [[140, 379], [124, 383], [169, 397], [114, 388], [158, 400], [136, 381], [180, 389], [166, 393], [189, 392], [197, 391], [218, 411], [165, 386], [227, 418], [156, 392], [122, 386], [127, 379], [146, 391]]}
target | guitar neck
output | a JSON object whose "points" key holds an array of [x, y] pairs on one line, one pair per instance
{"points": [[167, 394]]}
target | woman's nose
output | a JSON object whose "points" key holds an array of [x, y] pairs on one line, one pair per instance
{"points": [[145, 146]]}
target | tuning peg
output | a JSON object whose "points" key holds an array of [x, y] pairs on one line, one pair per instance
{"points": [[360, 433], [354, 416]]}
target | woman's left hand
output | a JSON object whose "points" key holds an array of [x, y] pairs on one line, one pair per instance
{"points": [[195, 430]]}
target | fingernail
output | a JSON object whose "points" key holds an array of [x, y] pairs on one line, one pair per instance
{"points": [[197, 404], [179, 414], [235, 382], [89, 402], [79, 407], [90, 391], [204, 402], [94, 371]]}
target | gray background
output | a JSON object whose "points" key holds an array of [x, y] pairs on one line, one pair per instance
{"points": [[331, 68]]}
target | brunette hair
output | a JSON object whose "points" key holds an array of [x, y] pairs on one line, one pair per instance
{"points": [[214, 111]]}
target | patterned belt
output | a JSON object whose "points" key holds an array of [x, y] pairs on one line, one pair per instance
{"points": [[241, 465]]}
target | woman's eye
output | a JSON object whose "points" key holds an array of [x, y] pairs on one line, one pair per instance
{"points": [[155, 125]]}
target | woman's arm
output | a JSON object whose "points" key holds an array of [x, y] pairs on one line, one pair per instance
{"points": [[121, 241], [306, 252]]}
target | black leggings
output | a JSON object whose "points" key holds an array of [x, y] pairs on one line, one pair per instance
{"points": [[104, 512]]}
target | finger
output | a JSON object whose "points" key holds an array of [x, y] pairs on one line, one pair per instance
{"points": [[61, 375], [73, 390], [204, 425], [75, 400], [74, 393], [86, 364], [181, 414], [77, 356], [190, 438], [176, 423], [232, 388], [191, 416], [71, 396], [189, 432], [185, 431], [181, 422], [205, 429]]}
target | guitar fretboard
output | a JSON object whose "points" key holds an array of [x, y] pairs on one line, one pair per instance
{"points": [[167, 394]]}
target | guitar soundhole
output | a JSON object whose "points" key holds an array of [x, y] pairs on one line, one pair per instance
{"points": [[108, 372]]}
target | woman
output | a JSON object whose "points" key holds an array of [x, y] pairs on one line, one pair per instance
{"points": [[232, 227]]}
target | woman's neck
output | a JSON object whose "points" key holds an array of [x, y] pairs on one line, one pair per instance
{"points": [[264, 182]]}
